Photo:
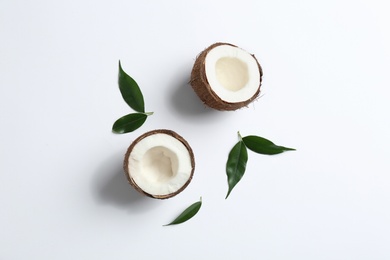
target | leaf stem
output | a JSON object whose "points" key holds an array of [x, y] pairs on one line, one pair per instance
{"points": [[239, 135], [149, 113]]}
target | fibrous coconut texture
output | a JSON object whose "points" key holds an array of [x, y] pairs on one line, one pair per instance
{"points": [[159, 164], [225, 77]]}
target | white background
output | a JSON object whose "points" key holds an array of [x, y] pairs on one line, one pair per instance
{"points": [[325, 92]]}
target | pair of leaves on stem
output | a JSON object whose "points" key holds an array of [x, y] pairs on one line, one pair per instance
{"points": [[238, 156], [235, 167], [132, 95]]}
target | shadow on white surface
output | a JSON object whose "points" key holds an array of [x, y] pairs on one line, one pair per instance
{"points": [[111, 187], [185, 102]]}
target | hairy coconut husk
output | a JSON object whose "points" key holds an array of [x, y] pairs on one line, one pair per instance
{"points": [[136, 141], [202, 87]]}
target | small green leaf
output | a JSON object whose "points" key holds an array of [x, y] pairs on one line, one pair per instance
{"points": [[236, 164], [187, 213], [130, 91], [261, 145], [129, 123]]}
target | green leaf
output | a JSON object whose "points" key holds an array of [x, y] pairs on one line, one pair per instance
{"points": [[187, 214], [129, 123], [261, 145], [236, 164], [130, 91]]}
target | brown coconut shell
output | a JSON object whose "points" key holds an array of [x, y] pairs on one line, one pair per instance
{"points": [[202, 87], [136, 141]]}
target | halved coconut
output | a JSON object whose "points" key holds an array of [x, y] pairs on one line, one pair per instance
{"points": [[226, 77], [159, 164]]}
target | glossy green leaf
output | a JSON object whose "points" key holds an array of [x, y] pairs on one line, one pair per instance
{"points": [[130, 91], [129, 123], [187, 214], [236, 165], [261, 145]]}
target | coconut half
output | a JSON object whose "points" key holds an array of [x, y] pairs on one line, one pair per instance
{"points": [[226, 77], [159, 164]]}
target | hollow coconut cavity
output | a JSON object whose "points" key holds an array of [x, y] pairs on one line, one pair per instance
{"points": [[225, 77], [159, 164]]}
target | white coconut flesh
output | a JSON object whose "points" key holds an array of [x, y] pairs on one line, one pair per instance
{"points": [[160, 164], [232, 73]]}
